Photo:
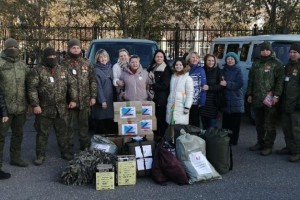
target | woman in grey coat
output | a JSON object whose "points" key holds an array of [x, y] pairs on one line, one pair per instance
{"points": [[103, 111]]}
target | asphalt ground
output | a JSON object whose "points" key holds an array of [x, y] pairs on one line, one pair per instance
{"points": [[253, 176]]}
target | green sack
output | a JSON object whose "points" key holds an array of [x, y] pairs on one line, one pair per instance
{"points": [[190, 150], [218, 149]]}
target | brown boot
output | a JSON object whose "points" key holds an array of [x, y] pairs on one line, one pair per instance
{"points": [[266, 151], [295, 158]]}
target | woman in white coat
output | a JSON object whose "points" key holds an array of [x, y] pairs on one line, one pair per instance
{"points": [[181, 95]]}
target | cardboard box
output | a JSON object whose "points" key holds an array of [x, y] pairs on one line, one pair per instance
{"points": [[105, 177], [133, 127], [126, 170], [127, 110]]}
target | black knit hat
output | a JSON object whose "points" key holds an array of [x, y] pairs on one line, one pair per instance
{"points": [[49, 51], [10, 42], [266, 46], [295, 47], [73, 42]]}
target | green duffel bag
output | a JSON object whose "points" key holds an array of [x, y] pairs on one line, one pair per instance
{"points": [[218, 149]]}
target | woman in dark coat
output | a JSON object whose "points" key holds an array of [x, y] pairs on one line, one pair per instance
{"points": [[102, 111], [209, 112], [160, 74], [234, 108]]}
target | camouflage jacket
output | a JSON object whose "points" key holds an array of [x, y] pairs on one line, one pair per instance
{"points": [[13, 74], [84, 76], [265, 75], [49, 88], [291, 91]]}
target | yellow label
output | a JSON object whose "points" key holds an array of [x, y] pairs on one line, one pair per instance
{"points": [[105, 180], [127, 173]]}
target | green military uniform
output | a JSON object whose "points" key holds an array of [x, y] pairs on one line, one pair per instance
{"points": [[13, 73], [83, 75], [48, 88], [266, 75], [291, 105]]}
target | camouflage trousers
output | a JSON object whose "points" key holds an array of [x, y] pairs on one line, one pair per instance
{"points": [[16, 123], [265, 120], [78, 123], [291, 130], [43, 125]]}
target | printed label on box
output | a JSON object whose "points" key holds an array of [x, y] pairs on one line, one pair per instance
{"points": [[127, 173], [105, 180], [146, 124], [129, 129], [127, 112], [147, 111], [144, 162], [147, 151]]}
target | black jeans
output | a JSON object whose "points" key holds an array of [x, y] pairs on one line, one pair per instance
{"points": [[232, 121]]}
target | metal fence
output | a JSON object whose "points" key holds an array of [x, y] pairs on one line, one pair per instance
{"points": [[175, 41]]}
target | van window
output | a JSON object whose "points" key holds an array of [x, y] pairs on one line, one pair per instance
{"points": [[144, 51], [244, 52], [219, 50], [233, 48]]}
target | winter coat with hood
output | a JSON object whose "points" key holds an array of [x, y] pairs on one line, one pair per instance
{"points": [[234, 89], [136, 84], [180, 97], [104, 79], [199, 80]]}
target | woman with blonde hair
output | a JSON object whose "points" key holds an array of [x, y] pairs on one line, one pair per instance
{"points": [[102, 111]]}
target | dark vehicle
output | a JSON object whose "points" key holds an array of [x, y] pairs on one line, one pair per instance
{"points": [[143, 48]]}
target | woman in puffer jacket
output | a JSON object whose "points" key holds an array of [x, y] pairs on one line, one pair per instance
{"points": [[181, 95]]}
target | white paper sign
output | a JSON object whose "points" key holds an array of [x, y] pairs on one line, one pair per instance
{"points": [[146, 150], [103, 147], [141, 166], [200, 163]]}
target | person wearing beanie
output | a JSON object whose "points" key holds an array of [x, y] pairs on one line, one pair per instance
{"points": [[13, 73], [199, 79], [265, 86], [290, 112], [234, 107], [48, 87], [83, 73]]}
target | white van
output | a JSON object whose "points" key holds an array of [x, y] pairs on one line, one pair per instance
{"points": [[248, 50]]}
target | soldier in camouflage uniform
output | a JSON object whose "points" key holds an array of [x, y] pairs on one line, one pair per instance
{"points": [[13, 73], [48, 86], [84, 76], [265, 76], [291, 105]]}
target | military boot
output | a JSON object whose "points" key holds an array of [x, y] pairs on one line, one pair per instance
{"points": [[4, 175], [256, 147], [67, 156], [283, 151], [295, 158], [266, 151], [39, 160], [19, 163]]}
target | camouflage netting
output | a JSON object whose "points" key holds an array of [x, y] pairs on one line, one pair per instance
{"points": [[82, 168]]}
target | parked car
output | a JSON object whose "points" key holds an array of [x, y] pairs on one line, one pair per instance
{"points": [[141, 47], [247, 47]]}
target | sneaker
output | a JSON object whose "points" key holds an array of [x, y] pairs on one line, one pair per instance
{"points": [[256, 147], [4, 175], [266, 151], [39, 161], [295, 158], [19, 163], [283, 151], [67, 156]]}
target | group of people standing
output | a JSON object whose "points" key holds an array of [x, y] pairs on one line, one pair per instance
{"points": [[60, 96], [67, 95]]}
